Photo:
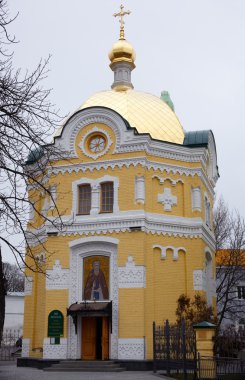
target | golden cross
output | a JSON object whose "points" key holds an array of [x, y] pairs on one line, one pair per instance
{"points": [[121, 14]]}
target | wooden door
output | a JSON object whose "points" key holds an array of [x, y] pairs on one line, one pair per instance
{"points": [[88, 338], [105, 338]]}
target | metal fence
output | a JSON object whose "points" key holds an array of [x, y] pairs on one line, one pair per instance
{"points": [[174, 352], [174, 348], [11, 344], [220, 368], [230, 343]]}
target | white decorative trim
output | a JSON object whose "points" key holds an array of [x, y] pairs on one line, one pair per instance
{"points": [[199, 280], [46, 205], [140, 189], [41, 258], [196, 199], [31, 211], [96, 115], [167, 199], [159, 224], [131, 276], [78, 242], [207, 208], [36, 236], [57, 278], [173, 249], [86, 152], [28, 285], [135, 161], [53, 198], [126, 162], [95, 195], [126, 139], [207, 250], [131, 349], [162, 180], [79, 249], [204, 279], [25, 352], [55, 351]]}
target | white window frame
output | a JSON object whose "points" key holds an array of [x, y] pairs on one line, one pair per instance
{"points": [[95, 194]]}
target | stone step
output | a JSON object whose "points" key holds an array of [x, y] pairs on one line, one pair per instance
{"points": [[84, 369], [85, 364]]}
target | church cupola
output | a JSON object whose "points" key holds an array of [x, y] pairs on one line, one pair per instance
{"points": [[122, 57]]}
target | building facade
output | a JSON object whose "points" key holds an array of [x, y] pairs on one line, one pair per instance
{"points": [[136, 194], [230, 286], [14, 311]]}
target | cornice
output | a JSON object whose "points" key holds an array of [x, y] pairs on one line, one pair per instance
{"points": [[155, 224], [164, 150]]}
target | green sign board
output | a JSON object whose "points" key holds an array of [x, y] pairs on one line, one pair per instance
{"points": [[55, 323]]}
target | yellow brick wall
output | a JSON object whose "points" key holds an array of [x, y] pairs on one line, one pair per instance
{"points": [[56, 300], [165, 279], [131, 313]]}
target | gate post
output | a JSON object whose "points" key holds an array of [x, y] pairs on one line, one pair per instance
{"points": [[154, 348], [205, 332]]}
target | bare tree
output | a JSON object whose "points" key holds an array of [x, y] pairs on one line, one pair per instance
{"points": [[229, 231], [2, 297], [14, 278], [27, 122]]}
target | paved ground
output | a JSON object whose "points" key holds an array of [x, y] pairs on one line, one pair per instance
{"points": [[9, 371]]}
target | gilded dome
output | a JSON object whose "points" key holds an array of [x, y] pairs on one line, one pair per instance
{"points": [[122, 51], [145, 112]]}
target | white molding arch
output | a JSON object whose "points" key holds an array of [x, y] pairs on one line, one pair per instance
{"points": [[208, 250], [79, 249], [90, 116], [174, 249], [82, 241]]}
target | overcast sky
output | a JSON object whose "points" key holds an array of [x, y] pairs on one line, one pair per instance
{"points": [[193, 48]]}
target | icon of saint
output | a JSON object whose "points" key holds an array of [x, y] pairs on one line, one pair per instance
{"points": [[96, 288]]}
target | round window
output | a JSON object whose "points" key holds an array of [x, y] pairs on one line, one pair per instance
{"points": [[97, 143]]}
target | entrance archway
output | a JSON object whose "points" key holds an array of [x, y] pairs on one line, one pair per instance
{"points": [[79, 249]]}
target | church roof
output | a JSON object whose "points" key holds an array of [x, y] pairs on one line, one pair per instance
{"points": [[196, 138], [145, 112]]}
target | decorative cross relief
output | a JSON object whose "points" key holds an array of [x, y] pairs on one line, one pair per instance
{"points": [[199, 279], [167, 199]]}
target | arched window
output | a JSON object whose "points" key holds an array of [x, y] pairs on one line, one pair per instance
{"points": [[84, 199], [107, 198]]}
